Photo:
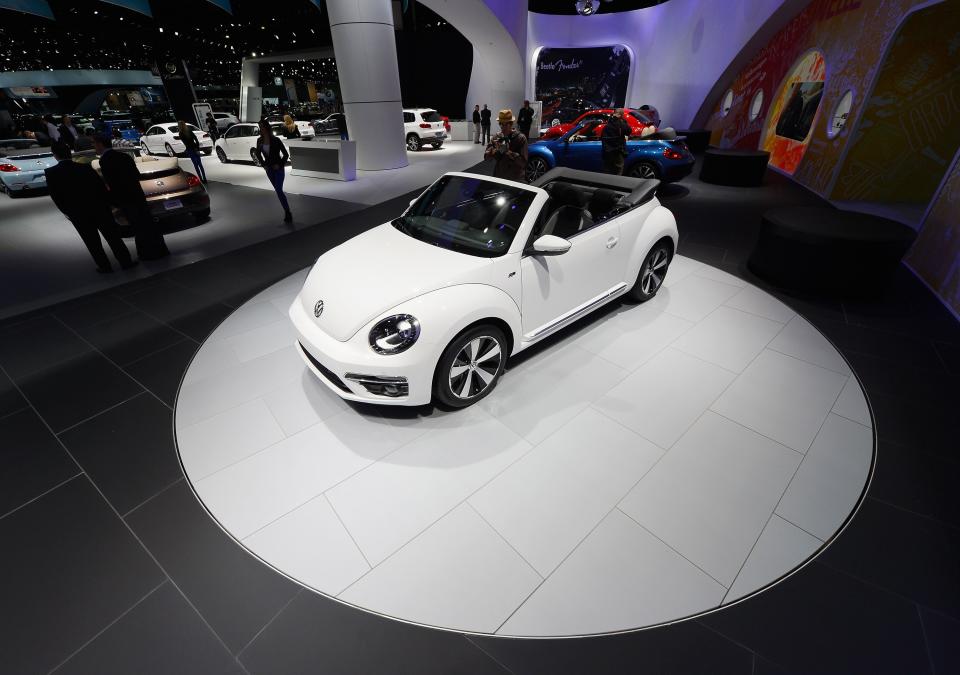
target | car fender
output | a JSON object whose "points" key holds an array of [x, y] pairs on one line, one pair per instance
{"points": [[542, 151], [445, 312], [658, 223], [645, 151]]}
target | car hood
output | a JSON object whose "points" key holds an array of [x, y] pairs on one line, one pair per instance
{"points": [[378, 270]]}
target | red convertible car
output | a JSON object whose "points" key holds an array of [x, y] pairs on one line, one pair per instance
{"points": [[638, 119]]}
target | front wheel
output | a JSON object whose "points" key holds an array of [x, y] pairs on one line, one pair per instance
{"points": [[170, 152], [144, 150], [413, 142], [222, 156], [436, 146], [207, 151], [652, 272], [254, 157], [470, 366], [536, 167]]}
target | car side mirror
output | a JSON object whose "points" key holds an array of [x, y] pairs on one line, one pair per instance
{"points": [[549, 244]]}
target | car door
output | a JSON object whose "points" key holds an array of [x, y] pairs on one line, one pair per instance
{"points": [[154, 137], [230, 141], [573, 282]]}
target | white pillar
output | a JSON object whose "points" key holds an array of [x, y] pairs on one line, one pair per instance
{"points": [[366, 52]]}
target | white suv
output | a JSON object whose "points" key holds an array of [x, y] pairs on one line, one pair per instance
{"points": [[225, 120], [423, 126]]}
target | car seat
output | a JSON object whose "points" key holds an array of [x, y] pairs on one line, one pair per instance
{"points": [[567, 211], [602, 204]]}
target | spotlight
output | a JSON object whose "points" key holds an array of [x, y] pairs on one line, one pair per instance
{"points": [[587, 7]]}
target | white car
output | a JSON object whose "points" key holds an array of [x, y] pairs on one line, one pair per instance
{"points": [[305, 128], [423, 126], [240, 140], [430, 305], [164, 139], [225, 120]]}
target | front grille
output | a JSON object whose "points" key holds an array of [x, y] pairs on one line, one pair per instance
{"points": [[326, 372]]}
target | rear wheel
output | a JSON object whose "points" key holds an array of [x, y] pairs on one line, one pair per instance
{"points": [[144, 150], [643, 170], [207, 151], [254, 158], [170, 152], [536, 167], [222, 156], [652, 272], [413, 142], [436, 146], [470, 367]]}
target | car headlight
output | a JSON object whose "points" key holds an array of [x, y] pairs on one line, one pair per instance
{"points": [[394, 334]]}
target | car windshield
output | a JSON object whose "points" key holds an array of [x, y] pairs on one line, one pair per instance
{"points": [[468, 215], [641, 117], [430, 116]]}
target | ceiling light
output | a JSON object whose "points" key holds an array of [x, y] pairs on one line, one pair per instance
{"points": [[587, 7]]}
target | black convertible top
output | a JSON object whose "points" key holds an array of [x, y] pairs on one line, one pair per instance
{"points": [[640, 189]]}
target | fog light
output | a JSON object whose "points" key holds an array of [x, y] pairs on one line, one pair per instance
{"points": [[391, 387]]}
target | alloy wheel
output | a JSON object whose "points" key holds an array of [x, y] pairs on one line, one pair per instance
{"points": [[144, 150], [536, 167], [643, 170], [170, 152], [654, 271], [413, 142], [221, 155], [475, 367]]}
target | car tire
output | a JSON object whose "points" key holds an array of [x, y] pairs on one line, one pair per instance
{"points": [[222, 156], [652, 272], [536, 167], [413, 142], [644, 170], [144, 150], [475, 377], [436, 146], [208, 151], [254, 158], [202, 216], [170, 152]]}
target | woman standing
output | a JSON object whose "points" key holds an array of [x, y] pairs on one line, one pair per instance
{"points": [[190, 142], [290, 128], [273, 157]]}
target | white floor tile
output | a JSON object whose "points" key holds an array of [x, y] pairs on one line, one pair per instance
{"points": [[752, 299], [696, 296], [729, 337], [782, 397], [389, 503], [680, 268], [620, 576], [213, 357], [830, 479], [263, 340], [852, 403], [710, 272], [551, 499], [663, 397], [711, 494], [780, 548], [261, 488], [227, 438], [252, 315], [800, 339], [311, 545], [635, 334], [302, 403], [537, 397], [458, 574]]}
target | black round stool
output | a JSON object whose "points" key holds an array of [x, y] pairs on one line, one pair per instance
{"points": [[739, 168]]}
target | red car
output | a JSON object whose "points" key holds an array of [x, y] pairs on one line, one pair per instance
{"points": [[637, 119]]}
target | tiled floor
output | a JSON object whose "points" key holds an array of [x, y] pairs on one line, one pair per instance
{"points": [[883, 598], [515, 516]]}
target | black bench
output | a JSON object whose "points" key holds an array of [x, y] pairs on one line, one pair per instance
{"points": [[823, 249], [697, 139], [740, 168]]}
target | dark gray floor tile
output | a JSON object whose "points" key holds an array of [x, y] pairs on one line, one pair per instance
{"points": [[235, 592], [943, 641], [37, 344], [687, 647], [31, 460], [917, 481], [11, 399], [127, 451], [903, 552], [904, 380], [201, 323], [950, 355], [914, 351], [91, 309], [77, 389], [74, 568], [925, 425], [161, 372], [319, 635], [159, 636], [823, 621], [169, 302], [129, 337]]}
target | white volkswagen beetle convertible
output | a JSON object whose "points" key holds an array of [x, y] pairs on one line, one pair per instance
{"points": [[431, 305]]}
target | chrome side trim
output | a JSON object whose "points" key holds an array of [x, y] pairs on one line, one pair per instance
{"points": [[576, 313]]}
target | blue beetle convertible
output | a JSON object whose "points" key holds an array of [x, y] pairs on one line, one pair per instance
{"points": [[663, 156]]}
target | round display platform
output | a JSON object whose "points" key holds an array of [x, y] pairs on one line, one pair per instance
{"points": [[652, 463]]}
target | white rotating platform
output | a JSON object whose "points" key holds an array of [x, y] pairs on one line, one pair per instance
{"points": [[656, 462]]}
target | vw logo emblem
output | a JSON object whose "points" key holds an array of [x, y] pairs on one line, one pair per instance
{"points": [[160, 183], [318, 308]]}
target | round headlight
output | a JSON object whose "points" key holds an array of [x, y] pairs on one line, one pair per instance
{"points": [[394, 334]]}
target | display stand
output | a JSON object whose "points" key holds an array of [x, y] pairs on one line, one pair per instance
{"points": [[321, 158]]}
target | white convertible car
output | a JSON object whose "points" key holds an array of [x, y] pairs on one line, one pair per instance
{"points": [[431, 305]]}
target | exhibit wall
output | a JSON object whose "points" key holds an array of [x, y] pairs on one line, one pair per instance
{"points": [[935, 256], [680, 48]]}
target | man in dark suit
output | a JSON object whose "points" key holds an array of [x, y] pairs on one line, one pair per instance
{"points": [[82, 197], [485, 124], [119, 171], [68, 132]]}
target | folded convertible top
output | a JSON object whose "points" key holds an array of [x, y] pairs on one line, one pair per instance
{"points": [[640, 189]]}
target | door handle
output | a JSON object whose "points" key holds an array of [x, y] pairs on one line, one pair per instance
{"points": [[611, 242]]}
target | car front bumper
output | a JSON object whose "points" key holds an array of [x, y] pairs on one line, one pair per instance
{"points": [[344, 366]]}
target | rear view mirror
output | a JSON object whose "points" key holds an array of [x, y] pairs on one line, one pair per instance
{"points": [[549, 244]]}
